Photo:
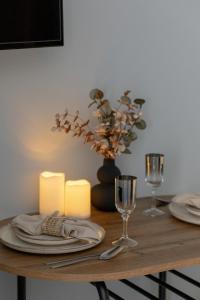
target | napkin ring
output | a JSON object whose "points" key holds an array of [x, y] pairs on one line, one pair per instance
{"points": [[52, 226]]}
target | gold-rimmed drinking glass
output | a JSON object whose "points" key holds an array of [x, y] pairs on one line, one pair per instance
{"points": [[154, 168], [125, 202]]}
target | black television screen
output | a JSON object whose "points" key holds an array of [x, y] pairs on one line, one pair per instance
{"points": [[31, 23]]}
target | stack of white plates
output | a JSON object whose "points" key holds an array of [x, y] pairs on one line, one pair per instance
{"points": [[186, 213], [45, 244]]}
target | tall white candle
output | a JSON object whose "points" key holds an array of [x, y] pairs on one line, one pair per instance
{"points": [[52, 192], [77, 199]]}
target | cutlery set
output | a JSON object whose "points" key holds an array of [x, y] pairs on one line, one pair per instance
{"points": [[105, 255]]}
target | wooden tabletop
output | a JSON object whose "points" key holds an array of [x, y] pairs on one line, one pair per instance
{"points": [[164, 243]]}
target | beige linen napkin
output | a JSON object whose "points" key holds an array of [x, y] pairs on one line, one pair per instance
{"points": [[188, 199], [57, 226]]}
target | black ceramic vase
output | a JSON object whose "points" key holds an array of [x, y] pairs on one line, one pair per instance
{"points": [[103, 194]]}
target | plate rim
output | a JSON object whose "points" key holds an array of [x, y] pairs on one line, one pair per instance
{"points": [[47, 249], [48, 242], [193, 211], [187, 217]]}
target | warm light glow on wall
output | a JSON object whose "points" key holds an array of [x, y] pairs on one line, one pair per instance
{"points": [[37, 140], [43, 146]]}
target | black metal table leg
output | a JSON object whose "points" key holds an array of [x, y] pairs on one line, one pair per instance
{"points": [[21, 288], [102, 290], [162, 289]]}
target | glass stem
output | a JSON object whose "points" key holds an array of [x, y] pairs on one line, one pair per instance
{"points": [[153, 198], [125, 226]]}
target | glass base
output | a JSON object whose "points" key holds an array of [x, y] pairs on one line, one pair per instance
{"points": [[153, 212], [127, 242]]}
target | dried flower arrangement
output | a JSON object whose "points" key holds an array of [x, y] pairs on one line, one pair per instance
{"points": [[116, 126]]}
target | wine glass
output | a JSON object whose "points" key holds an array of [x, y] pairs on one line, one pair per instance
{"points": [[125, 202], [154, 167]]}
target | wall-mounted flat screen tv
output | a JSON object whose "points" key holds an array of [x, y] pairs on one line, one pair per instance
{"points": [[31, 23]]}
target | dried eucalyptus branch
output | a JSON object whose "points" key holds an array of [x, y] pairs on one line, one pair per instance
{"points": [[115, 130]]}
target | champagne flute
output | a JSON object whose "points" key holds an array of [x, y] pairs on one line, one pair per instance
{"points": [[125, 202], [154, 167]]}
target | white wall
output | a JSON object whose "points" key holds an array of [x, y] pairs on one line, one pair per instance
{"points": [[151, 47]]}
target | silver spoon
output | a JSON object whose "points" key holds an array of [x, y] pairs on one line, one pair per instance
{"points": [[108, 254]]}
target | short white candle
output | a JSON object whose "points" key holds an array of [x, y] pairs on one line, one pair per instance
{"points": [[77, 199], [52, 192]]}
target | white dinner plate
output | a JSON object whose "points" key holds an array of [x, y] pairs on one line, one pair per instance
{"points": [[9, 239], [180, 212], [193, 210], [46, 240]]}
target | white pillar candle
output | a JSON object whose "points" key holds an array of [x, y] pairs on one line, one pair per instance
{"points": [[77, 199], [52, 192]]}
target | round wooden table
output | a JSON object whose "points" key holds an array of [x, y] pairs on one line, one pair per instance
{"points": [[164, 243]]}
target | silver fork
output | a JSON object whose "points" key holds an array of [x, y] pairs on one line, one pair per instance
{"points": [[105, 255]]}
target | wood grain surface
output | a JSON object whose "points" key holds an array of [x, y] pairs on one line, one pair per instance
{"points": [[164, 243]]}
